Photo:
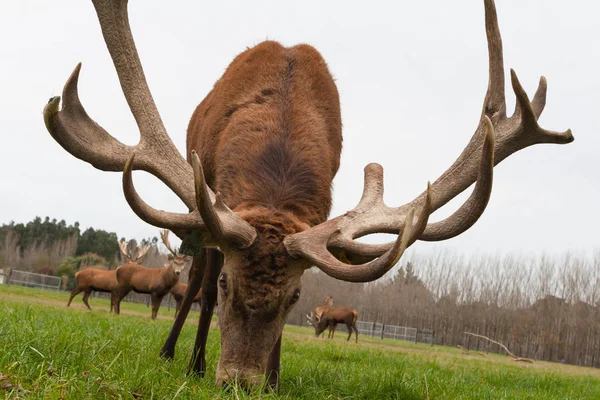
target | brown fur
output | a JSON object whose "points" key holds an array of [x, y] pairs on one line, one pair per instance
{"points": [[269, 137], [338, 315], [319, 311], [178, 293], [94, 279], [157, 282]]}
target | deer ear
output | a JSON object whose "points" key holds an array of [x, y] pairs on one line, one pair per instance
{"points": [[166, 265]]}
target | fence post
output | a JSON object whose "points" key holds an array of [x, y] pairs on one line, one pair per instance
{"points": [[417, 336], [382, 329], [432, 338], [372, 329]]}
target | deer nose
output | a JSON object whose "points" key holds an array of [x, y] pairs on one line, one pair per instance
{"points": [[245, 381]]}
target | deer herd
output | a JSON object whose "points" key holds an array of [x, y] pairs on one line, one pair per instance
{"points": [[262, 150]]}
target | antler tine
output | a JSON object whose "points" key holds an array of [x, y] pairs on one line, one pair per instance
{"points": [[312, 244], [164, 236], [511, 134], [502, 137], [234, 227], [123, 250], [142, 251], [77, 133], [220, 221], [466, 216]]}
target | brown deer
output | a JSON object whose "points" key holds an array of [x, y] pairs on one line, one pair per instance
{"points": [[157, 282], [333, 316], [100, 280], [319, 311], [178, 293], [95, 279], [262, 150]]}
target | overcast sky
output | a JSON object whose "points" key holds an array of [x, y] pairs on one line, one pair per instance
{"points": [[411, 77]]}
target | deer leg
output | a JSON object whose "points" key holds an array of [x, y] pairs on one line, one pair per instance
{"points": [[119, 297], [74, 293], [155, 304], [86, 295], [273, 366], [349, 326], [112, 301], [334, 326], [355, 332], [209, 298], [177, 307], [198, 268]]}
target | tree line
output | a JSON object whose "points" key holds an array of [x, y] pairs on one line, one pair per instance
{"points": [[544, 308], [52, 247]]}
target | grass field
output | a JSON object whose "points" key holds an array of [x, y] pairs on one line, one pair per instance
{"points": [[48, 351]]}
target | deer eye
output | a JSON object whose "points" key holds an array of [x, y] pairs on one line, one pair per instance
{"points": [[223, 282], [295, 297]]}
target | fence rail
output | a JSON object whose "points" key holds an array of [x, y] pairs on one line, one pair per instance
{"points": [[47, 282], [31, 279], [385, 331], [373, 329]]}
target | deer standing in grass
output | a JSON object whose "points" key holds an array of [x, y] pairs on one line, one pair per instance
{"points": [[262, 150], [319, 311], [100, 280], [333, 316], [178, 293], [157, 282]]}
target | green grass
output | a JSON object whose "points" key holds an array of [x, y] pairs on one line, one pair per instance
{"points": [[50, 352]]}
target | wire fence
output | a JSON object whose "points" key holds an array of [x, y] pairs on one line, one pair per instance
{"points": [[30, 279], [47, 282], [385, 331], [372, 329]]}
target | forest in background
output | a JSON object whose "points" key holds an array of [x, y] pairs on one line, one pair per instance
{"points": [[545, 307], [50, 247]]}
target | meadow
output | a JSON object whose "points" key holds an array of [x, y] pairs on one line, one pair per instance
{"points": [[48, 351]]}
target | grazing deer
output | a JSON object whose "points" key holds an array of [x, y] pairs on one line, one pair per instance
{"points": [[157, 282], [319, 311], [100, 280], [333, 316], [178, 293], [262, 150]]}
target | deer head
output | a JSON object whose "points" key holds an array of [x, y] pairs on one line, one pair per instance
{"points": [[141, 252], [266, 251], [176, 261]]}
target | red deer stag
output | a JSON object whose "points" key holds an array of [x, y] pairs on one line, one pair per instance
{"points": [[157, 282], [94, 279], [100, 280], [178, 293], [333, 316], [262, 150], [319, 311]]}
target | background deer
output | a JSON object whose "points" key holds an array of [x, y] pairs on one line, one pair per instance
{"points": [[157, 282], [94, 279], [333, 316], [263, 148], [178, 293], [319, 311], [100, 280]]}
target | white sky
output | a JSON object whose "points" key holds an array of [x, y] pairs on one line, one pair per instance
{"points": [[411, 77]]}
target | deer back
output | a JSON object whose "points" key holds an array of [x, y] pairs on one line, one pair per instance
{"points": [[274, 107]]}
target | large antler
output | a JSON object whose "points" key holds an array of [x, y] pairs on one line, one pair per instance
{"points": [[141, 252], [496, 137], [164, 236], [123, 250], [77, 133]]}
